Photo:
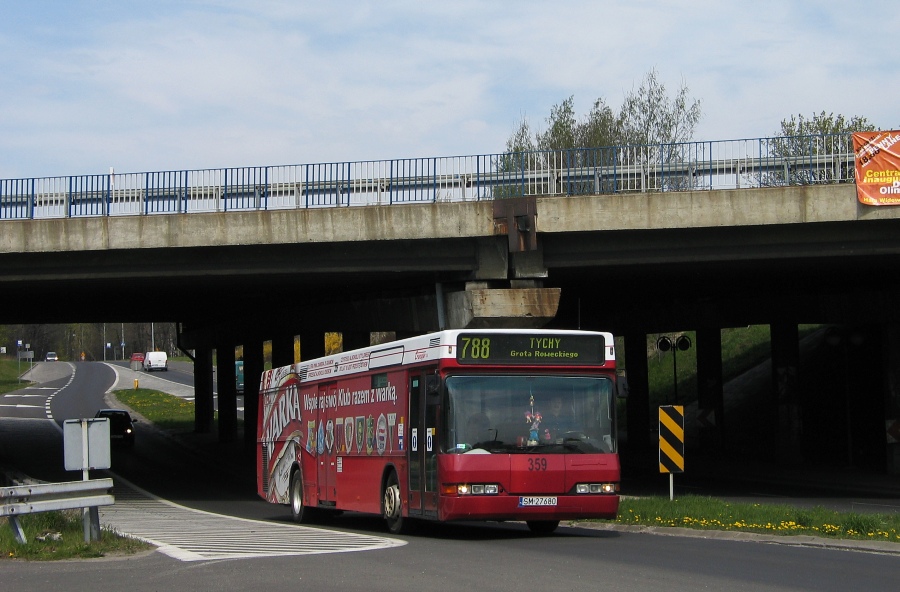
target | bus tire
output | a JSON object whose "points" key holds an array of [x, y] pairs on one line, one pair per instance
{"points": [[392, 506], [300, 512], [542, 527]]}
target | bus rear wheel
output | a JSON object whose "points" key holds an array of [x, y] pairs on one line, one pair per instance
{"points": [[542, 527], [392, 506], [299, 511]]}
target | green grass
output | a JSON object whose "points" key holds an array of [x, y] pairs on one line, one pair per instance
{"points": [[165, 411], [705, 513], [68, 527], [9, 375]]}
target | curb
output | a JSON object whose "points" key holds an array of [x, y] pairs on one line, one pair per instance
{"points": [[882, 547]]}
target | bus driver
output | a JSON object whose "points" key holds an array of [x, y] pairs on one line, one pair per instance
{"points": [[478, 428], [559, 420]]}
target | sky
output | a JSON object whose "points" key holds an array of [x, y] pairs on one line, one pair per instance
{"points": [[86, 86]]}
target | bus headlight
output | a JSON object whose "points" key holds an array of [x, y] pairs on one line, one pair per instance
{"points": [[606, 488], [472, 489]]}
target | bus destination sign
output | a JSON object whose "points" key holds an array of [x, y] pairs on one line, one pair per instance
{"points": [[526, 348]]}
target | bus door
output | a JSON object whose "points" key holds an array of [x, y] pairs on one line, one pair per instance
{"points": [[325, 443], [424, 399]]}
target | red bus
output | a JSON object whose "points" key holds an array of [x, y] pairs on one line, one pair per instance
{"points": [[456, 425]]}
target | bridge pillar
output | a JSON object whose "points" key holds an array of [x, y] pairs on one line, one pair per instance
{"points": [[204, 410], [253, 369], [638, 403], [227, 390], [785, 339], [312, 344], [892, 397], [355, 339], [710, 407], [282, 350]]}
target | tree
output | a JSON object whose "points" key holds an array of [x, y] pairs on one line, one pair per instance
{"points": [[648, 119], [648, 116], [561, 127], [511, 165], [520, 140], [652, 126], [600, 128], [556, 145], [812, 150]]}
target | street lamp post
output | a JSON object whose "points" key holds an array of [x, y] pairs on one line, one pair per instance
{"points": [[666, 343]]}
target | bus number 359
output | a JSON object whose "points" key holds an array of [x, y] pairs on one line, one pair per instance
{"points": [[537, 464]]}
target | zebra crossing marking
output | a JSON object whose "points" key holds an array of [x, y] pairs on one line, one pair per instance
{"points": [[188, 534]]}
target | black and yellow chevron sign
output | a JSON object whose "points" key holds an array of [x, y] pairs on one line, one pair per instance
{"points": [[671, 439]]}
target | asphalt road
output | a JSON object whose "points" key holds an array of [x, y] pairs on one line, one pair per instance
{"points": [[454, 556]]}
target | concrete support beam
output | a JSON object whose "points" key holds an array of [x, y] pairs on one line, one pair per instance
{"points": [[355, 339], [481, 307], [492, 258], [528, 264], [710, 394], [786, 388], [227, 392], [638, 403], [312, 344], [282, 350], [892, 397], [253, 368], [203, 390]]}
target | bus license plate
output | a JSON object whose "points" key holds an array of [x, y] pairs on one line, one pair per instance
{"points": [[537, 501]]}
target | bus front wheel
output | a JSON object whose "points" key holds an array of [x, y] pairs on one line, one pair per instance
{"points": [[392, 506], [299, 511]]}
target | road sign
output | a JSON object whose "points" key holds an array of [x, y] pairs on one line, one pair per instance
{"points": [[671, 439], [86, 444], [706, 418], [893, 431]]}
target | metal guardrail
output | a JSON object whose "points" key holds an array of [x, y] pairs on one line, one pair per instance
{"points": [[690, 166], [48, 497]]}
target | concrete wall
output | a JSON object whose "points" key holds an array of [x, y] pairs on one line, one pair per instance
{"points": [[633, 211]]}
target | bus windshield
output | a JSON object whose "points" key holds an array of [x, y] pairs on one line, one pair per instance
{"points": [[552, 414]]}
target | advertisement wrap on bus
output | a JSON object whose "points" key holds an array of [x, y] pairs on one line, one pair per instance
{"points": [[491, 425]]}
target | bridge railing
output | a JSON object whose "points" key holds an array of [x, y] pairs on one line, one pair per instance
{"points": [[688, 166]]}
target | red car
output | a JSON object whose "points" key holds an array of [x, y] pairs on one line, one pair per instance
{"points": [[137, 357]]}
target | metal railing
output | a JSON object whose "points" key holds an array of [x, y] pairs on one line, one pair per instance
{"points": [[689, 166], [48, 497]]}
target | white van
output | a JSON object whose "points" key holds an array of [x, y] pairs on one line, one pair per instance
{"points": [[156, 361]]}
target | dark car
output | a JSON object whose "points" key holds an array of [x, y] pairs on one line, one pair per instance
{"points": [[121, 426]]}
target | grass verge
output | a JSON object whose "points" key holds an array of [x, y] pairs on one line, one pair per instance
{"points": [[54, 536], [165, 411], [705, 513], [9, 375]]}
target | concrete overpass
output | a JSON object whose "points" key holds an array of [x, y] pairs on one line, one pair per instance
{"points": [[633, 263]]}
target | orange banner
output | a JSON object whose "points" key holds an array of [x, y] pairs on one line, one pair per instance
{"points": [[877, 167]]}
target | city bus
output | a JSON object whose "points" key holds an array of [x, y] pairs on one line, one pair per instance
{"points": [[486, 425]]}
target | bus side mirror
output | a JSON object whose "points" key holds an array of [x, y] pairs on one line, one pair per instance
{"points": [[432, 384], [622, 385]]}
